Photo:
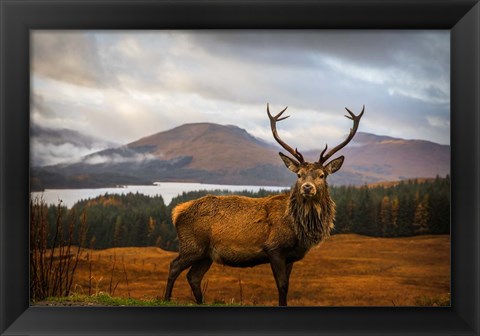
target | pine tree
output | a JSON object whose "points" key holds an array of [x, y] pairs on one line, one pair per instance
{"points": [[350, 211], [364, 219], [406, 210], [119, 232], [385, 218]]}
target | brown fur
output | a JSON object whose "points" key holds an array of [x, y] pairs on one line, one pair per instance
{"points": [[312, 220]]}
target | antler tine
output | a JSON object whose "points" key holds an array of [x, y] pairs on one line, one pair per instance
{"points": [[353, 130], [277, 117], [273, 126], [321, 154], [353, 116]]}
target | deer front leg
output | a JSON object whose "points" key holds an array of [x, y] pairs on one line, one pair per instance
{"points": [[289, 271], [281, 275]]}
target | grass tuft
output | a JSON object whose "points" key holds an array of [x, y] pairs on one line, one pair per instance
{"points": [[433, 301]]}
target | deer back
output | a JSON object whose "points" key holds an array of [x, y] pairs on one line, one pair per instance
{"points": [[239, 223]]}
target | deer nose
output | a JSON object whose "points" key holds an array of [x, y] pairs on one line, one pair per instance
{"points": [[308, 188]]}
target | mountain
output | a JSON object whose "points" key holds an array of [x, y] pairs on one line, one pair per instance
{"points": [[377, 158], [211, 153], [212, 147]]}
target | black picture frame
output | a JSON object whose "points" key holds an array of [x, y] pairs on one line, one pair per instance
{"points": [[461, 17]]}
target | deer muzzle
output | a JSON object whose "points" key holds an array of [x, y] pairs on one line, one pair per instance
{"points": [[308, 190]]}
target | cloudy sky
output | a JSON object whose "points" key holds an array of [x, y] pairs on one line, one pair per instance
{"points": [[123, 85]]}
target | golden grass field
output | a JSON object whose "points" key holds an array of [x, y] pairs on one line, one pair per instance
{"points": [[346, 270]]}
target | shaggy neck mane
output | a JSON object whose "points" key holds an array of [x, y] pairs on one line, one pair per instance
{"points": [[312, 218]]}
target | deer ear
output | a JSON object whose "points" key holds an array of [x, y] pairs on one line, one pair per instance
{"points": [[291, 164], [334, 165]]}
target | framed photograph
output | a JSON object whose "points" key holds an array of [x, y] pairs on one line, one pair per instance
{"points": [[140, 143]]}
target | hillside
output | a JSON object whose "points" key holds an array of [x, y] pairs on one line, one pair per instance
{"points": [[380, 158], [388, 158], [211, 153]]}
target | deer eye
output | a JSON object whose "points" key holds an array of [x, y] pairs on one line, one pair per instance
{"points": [[322, 175]]}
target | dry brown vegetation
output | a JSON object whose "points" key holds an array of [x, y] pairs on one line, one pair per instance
{"points": [[346, 270]]}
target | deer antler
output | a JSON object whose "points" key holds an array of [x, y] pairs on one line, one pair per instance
{"points": [[273, 125], [353, 130]]}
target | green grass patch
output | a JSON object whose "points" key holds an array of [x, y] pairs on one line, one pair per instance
{"points": [[104, 299]]}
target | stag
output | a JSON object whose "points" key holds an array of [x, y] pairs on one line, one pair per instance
{"points": [[244, 232]]}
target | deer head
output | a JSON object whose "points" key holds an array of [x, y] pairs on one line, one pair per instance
{"points": [[311, 177]]}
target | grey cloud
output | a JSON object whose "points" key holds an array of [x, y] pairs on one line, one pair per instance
{"points": [[68, 56], [116, 158], [53, 146], [421, 54], [222, 65], [59, 137], [253, 66], [380, 48], [43, 154]]}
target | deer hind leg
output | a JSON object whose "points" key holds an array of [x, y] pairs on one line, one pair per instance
{"points": [[195, 276], [177, 266]]}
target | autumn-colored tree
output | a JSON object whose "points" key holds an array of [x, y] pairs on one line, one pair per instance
{"points": [[394, 206], [421, 217]]}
